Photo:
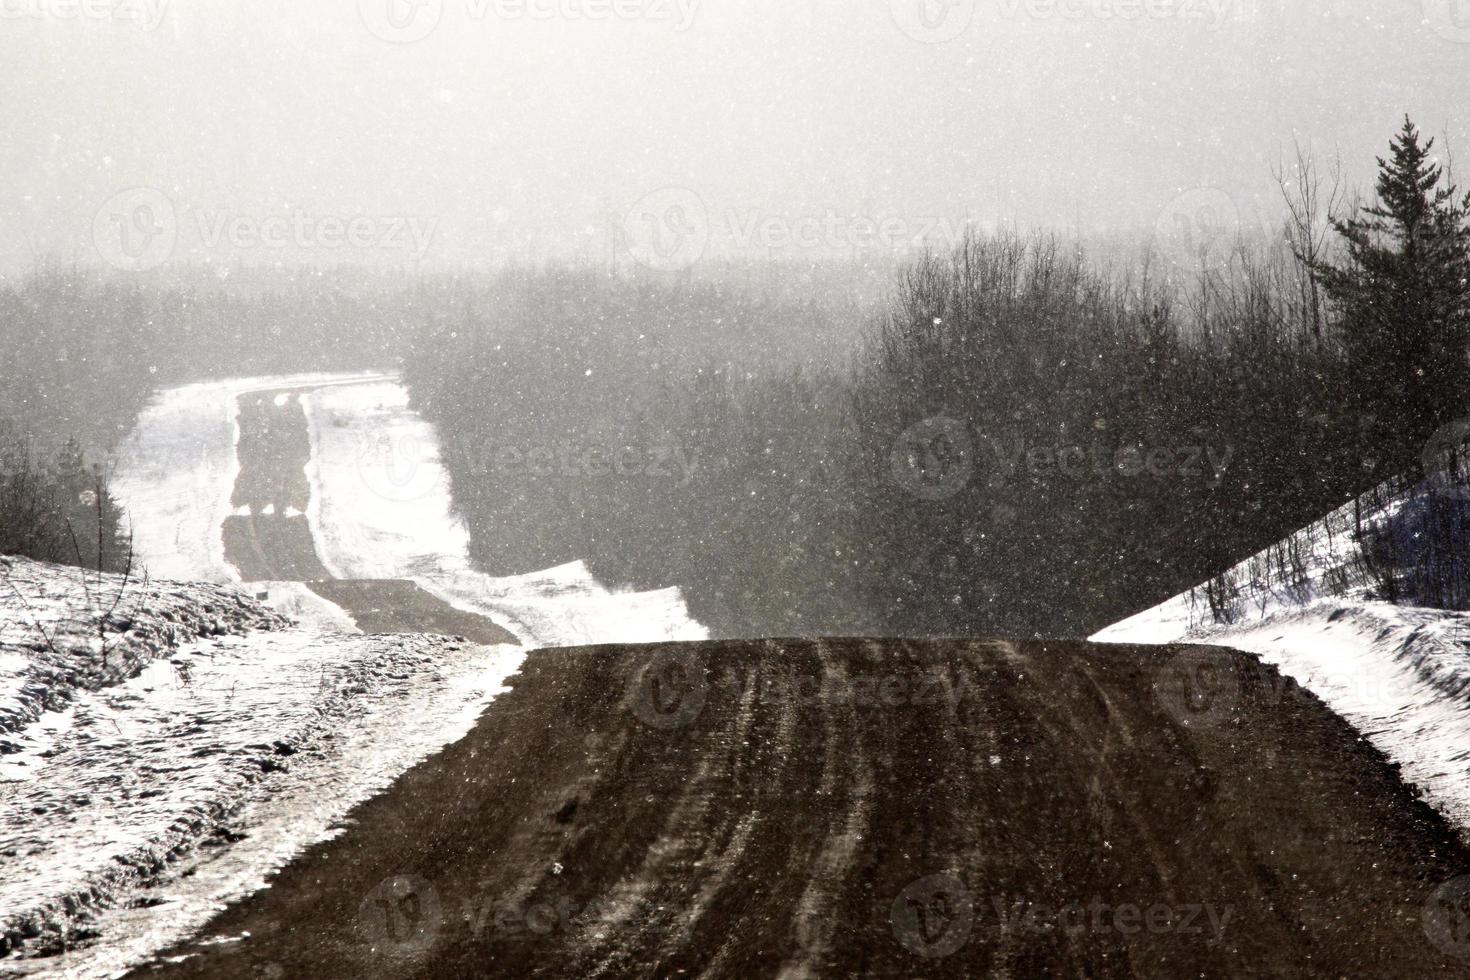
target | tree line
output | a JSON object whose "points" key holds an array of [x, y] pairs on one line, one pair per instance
{"points": [[1020, 443]]}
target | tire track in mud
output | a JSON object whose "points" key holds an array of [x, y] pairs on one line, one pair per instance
{"points": [[269, 539], [859, 807]]}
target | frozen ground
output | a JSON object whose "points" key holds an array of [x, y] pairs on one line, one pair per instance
{"points": [[141, 789], [63, 631], [1400, 675]]}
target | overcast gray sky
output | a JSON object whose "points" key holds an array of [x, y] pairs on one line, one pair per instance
{"points": [[458, 132]]}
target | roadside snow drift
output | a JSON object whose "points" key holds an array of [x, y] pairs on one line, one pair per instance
{"points": [[1400, 675], [188, 715]]}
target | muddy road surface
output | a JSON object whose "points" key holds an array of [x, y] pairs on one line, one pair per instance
{"points": [[879, 808]]}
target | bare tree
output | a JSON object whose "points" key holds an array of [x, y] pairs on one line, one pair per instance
{"points": [[1313, 200]]}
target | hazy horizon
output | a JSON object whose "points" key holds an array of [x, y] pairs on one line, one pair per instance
{"points": [[433, 134]]}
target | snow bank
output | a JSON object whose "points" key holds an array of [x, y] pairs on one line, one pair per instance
{"points": [[65, 631], [140, 772], [1326, 565], [1399, 675]]}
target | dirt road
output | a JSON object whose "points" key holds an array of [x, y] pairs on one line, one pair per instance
{"points": [[881, 808], [269, 538]]}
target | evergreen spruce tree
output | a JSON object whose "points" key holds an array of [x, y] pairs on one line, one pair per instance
{"points": [[1403, 297]]}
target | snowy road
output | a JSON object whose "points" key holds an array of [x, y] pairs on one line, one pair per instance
{"points": [[152, 800], [865, 808]]}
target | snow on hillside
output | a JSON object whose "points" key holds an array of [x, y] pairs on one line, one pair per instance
{"points": [[1400, 675], [112, 767], [1320, 560], [64, 631]]}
